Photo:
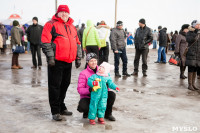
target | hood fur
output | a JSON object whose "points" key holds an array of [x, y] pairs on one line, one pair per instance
{"points": [[191, 28]]}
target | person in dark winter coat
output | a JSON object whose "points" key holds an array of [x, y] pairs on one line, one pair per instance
{"points": [[181, 45], [80, 33], [59, 44], [173, 40], [193, 54], [34, 33], [143, 37], [4, 35], [162, 45], [118, 45]]}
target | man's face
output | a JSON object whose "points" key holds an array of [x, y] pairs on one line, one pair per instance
{"points": [[102, 22], [197, 26], [120, 27], [141, 25], [185, 30], [64, 16], [34, 22]]}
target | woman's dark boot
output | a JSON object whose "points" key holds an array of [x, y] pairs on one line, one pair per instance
{"points": [[193, 80], [190, 86], [182, 70]]}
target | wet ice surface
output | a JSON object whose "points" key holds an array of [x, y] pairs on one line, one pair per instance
{"points": [[152, 104]]}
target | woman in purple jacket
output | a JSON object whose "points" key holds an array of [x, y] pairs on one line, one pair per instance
{"points": [[84, 90]]}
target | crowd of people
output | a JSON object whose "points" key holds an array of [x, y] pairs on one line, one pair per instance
{"points": [[63, 43]]}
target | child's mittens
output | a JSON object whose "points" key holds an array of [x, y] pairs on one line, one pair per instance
{"points": [[117, 89], [95, 83]]}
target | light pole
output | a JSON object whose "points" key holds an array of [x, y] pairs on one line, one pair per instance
{"points": [[56, 5], [115, 13]]}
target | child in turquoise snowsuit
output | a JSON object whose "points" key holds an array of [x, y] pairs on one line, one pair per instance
{"points": [[99, 97]]}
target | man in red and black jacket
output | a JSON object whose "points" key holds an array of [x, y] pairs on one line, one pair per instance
{"points": [[59, 44]]}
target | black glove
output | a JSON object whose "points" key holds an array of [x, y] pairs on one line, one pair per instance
{"points": [[51, 61], [90, 89], [78, 63]]}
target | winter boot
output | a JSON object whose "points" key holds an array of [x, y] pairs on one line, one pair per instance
{"points": [[110, 117], [182, 68], [33, 67], [101, 121], [184, 71], [193, 80], [66, 112], [182, 76], [135, 74], [20, 67], [92, 122], [14, 61], [57, 117], [85, 114], [14, 67], [144, 74], [126, 74], [190, 86], [117, 74]]}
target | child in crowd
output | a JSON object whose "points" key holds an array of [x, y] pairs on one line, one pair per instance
{"points": [[100, 82]]}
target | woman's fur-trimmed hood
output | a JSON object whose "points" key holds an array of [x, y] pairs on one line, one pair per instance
{"points": [[191, 28]]}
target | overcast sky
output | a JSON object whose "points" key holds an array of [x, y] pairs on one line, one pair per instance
{"points": [[168, 13]]}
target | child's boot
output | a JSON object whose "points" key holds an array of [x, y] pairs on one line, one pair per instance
{"points": [[92, 122], [101, 121]]}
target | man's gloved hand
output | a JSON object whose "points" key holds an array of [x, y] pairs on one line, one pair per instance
{"points": [[95, 83], [51, 61], [78, 63], [117, 89]]}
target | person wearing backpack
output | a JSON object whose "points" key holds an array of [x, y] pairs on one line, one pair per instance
{"points": [[90, 40], [104, 32]]}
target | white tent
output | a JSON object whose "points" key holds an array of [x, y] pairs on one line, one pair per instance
{"points": [[11, 18]]}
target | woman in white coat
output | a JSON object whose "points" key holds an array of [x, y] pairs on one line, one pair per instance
{"points": [[104, 33]]}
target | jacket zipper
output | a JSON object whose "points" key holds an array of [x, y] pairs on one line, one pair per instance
{"points": [[68, 37]]}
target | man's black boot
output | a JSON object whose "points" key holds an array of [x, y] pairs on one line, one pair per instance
{"points": [[135, 74], [110, 117], [144, 74], [126, 74], [66, 112], [117, 74], [57, 117]]}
